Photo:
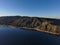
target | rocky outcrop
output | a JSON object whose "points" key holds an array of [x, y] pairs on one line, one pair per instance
{"points": [[50, 28]]}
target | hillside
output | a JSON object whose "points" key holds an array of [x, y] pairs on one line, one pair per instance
{"points": [[40, 24]]}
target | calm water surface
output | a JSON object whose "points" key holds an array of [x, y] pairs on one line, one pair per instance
{"points": [[18, 36]]}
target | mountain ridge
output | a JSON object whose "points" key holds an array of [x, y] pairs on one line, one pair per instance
{"points": [[48, 25]]}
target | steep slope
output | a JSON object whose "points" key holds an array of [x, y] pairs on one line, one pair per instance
{"points": [[48, 25]]}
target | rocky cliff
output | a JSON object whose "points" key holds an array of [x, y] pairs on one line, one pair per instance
{"points": [[49, 25]]}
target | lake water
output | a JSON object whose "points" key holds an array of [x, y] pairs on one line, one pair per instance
{"points": [[18, 36]]}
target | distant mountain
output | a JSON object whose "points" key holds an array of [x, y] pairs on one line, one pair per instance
{"points": [[48, 25]]}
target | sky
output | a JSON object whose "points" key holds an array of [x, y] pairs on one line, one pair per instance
{"points": [[39, 8]]}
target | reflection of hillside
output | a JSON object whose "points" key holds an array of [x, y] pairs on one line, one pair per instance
{"points": [[44, 24]]}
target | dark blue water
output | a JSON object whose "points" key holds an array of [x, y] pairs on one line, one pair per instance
{"points": [[17, 36]]}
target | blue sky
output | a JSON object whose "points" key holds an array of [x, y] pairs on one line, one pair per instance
{"points": [[46, 8]]}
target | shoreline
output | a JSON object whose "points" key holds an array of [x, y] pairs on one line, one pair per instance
{"points": [[34, 29], [40, 30]]}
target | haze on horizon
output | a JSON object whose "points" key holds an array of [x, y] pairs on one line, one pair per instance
{"points": [[44, 8]]}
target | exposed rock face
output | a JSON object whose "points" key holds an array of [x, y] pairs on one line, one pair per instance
{"points": [[44, 24]]}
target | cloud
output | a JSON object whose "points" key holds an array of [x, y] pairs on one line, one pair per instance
{"points": [[2, 14]]}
